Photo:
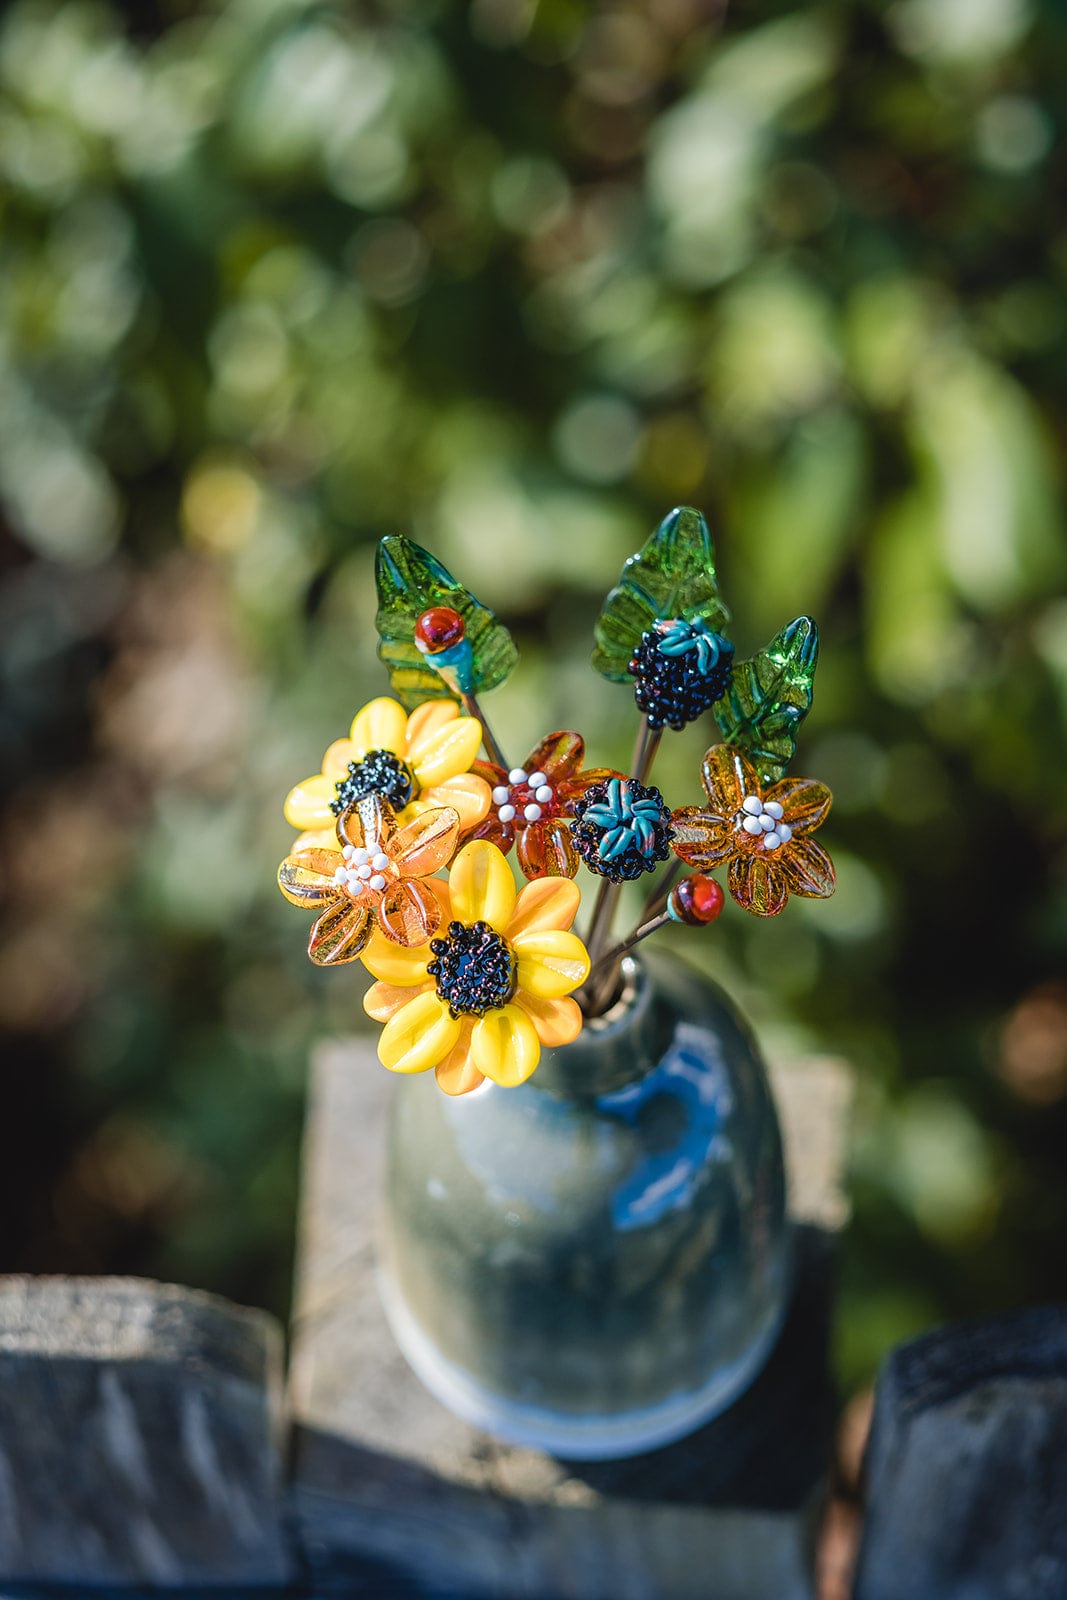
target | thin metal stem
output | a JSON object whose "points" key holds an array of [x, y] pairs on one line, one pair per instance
{"points": [[662, 887], [602, 918], [492, 748], [617, 951], [602, 975], [648, 739]]}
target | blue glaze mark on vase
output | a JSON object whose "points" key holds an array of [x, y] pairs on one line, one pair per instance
{"points": [[693, 1086]]}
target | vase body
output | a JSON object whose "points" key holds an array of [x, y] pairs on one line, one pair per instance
{"points": [[597, 1262]]}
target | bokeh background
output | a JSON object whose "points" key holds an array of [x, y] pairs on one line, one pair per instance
{"points": [[514, 277]]}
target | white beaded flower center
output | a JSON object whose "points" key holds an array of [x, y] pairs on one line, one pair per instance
{"points": [[366, 869], [511, 803], [763, 820]]}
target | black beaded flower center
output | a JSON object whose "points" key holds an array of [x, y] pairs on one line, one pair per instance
{"points": [[680, 669], [381, 773], [474, 969]]}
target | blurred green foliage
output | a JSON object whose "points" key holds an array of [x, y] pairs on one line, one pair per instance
{"points": [[513, 278]]}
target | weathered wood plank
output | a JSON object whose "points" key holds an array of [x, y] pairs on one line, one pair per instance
{"points": [[139, 1436], [966, 1467], [377, 1527]]}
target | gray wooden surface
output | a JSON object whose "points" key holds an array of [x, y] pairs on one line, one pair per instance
{"points": [[967, 1464], [428, 1497], [139, 1436]]}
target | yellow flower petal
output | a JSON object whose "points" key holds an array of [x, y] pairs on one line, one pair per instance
{"points": [[395, 963], [317, 839], [551, 963], [556, 1021], [308, 804], [481, 885], [457, 1074], [505, 1046], [544, 904], [335, 761], [420, 1035], [424, 722], [465, 793], [381, 725], [384, 1000], [446, 751]]}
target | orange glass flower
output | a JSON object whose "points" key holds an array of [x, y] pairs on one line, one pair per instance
{"points": [[764, 834], [484, 997], [371, 879], [532, 805]]}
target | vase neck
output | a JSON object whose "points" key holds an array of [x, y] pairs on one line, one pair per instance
{"points": [[615, 1049]]}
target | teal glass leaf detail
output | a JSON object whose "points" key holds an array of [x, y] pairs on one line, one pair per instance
{"points": [[672, 575], [770, 696], [410, 581]]}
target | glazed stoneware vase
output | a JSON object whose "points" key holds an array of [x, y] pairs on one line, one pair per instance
{"points": [[597, 1262]]}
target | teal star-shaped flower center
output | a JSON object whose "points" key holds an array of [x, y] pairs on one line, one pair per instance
{"points": [[626, 820], [680, 638]]}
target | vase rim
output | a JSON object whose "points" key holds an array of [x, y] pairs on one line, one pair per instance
{"points": [[634, 979]]}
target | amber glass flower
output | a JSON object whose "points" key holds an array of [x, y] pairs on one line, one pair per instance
{"points": [[372, 878], [412, 762], [764, 833], [481, 999], [532, 806]]}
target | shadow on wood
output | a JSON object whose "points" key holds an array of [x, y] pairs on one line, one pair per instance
{"points": [[371, 1525]]}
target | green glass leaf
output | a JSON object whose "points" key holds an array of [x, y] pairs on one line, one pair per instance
{"points": [[411, 581], [769, 698], [672, 575]]}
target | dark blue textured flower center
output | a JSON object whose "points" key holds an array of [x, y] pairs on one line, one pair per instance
{"points": [[680, 669], [473, 968], [622, 828], [381, 773]]}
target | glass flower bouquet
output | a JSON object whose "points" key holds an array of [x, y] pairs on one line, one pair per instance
{"points": [[592, 1260], [472, 977]]}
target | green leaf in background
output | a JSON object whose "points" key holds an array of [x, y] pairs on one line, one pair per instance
{"points": [[770, 696], [411, 581], [672, 575]]}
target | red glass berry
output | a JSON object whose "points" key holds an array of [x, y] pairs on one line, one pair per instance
{"points": [[697, 900], [439, 629]]}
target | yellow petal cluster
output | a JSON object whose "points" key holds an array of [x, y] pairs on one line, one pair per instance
{"points": [[505, 1044], [435, 742]]}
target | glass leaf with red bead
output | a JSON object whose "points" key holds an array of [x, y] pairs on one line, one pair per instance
{"points": [[436, 639]]}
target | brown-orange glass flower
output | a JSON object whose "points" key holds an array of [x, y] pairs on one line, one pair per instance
{"points": [[532, 805], [374, 877], [764, 833]]}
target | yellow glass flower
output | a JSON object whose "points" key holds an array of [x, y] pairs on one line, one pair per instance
{"points": [[371, 878], [480, 1000], [764, 833], [412, 762]]}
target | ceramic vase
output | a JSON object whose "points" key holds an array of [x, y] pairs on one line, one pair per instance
{"points": [[596, 1263]]}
